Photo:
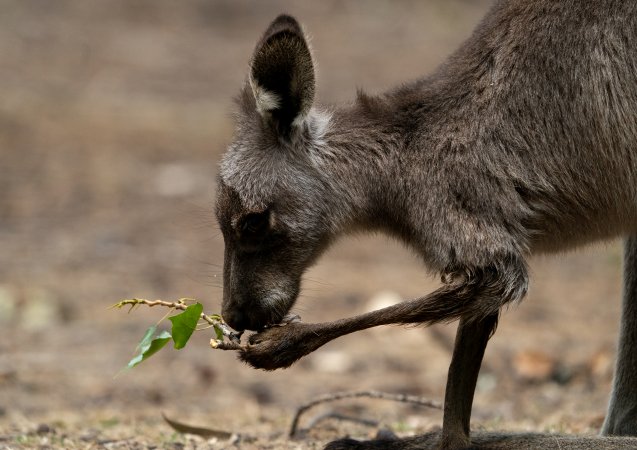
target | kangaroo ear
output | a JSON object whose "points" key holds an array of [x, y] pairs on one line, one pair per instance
{"points": [[282, 75]]}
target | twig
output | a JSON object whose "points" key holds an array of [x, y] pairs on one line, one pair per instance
{"points": [[223, 345], [214, 320], [357, 394]]}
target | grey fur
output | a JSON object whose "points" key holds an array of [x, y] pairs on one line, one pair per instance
{"points": [[523, 142]]}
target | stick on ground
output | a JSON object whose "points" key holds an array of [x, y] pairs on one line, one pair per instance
{"points": [[358, 394]]}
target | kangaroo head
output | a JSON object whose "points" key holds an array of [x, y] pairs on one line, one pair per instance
{"points": [[273, 198]]}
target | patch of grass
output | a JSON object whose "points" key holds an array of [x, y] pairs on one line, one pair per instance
{"points": [[401, 427], [25, 439], [109, 423]]}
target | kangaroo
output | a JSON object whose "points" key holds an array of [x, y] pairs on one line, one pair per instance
{"points": [[524, 141]]}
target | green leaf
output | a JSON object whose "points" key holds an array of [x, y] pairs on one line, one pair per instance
{"points": [[184, 324], [148, 347], [148, 336]]}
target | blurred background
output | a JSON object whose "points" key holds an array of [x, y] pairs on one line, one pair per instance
{"points": [[113, 117]]}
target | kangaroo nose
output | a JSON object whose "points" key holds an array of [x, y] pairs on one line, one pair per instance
{"points": [[236, 319]]}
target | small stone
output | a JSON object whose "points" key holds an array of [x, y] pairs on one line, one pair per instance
{"points": [[486, 382], [332, 362], [601, 364], [534, 365], [383, 299], [386, 434], [40, 310], [43, 428]]}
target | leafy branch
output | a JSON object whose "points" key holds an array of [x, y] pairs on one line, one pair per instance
{"points": [[191, 319]]}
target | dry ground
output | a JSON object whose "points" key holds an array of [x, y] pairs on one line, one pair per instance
{"points": [[113, 115]]}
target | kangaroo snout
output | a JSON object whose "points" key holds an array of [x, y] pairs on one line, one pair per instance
{"points": [[253, 317], [243, 313], [237, 319], [251, 307]]}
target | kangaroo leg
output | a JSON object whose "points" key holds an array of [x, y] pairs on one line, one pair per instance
{"points": [[471, 342], [621, 418]]}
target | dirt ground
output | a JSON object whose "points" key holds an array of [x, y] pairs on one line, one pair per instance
{"points": [[113, 115]]}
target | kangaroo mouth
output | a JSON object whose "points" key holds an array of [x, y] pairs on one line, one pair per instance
{"points": [[240, 322]]}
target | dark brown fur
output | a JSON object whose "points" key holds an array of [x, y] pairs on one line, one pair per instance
{"points": [[524, 141]]}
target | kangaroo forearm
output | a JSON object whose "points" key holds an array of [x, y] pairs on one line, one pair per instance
{"points": [[279, 347], [480, 295], [443, 305]]}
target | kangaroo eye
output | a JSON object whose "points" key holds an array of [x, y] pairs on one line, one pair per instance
{"points": [[256, 223]]}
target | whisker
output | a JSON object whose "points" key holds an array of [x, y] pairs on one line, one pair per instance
{"points": [[318, 281]]}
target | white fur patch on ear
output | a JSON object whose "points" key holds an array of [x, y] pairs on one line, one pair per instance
{"points": [[299, 120], [319, 122], [266, 100]]}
